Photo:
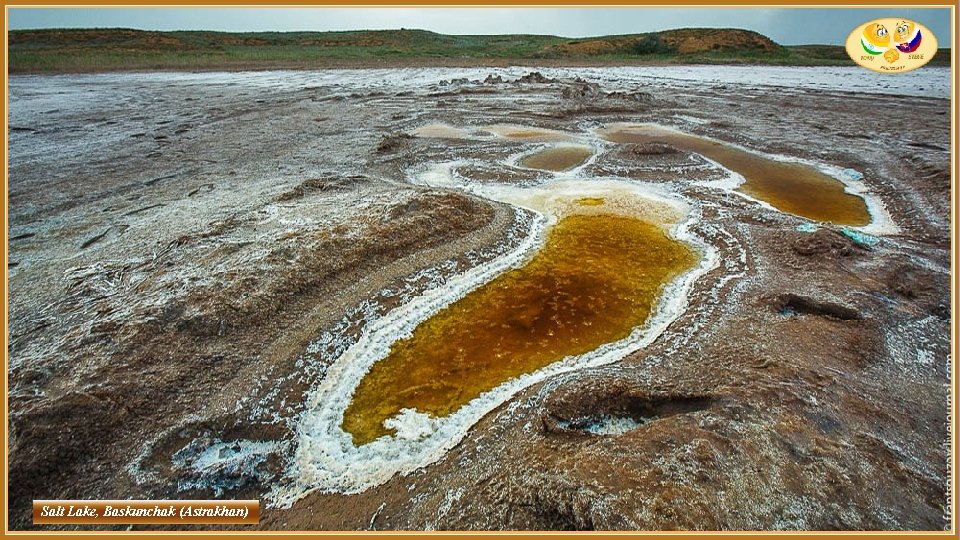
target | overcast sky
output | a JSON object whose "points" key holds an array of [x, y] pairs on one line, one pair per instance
{"points": [[785, 26]]}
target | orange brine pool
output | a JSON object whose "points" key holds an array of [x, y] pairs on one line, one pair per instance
{"points": [[791, 187], [596, 279]]}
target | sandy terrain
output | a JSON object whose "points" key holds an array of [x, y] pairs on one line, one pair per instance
{"points": [[191, 254]]}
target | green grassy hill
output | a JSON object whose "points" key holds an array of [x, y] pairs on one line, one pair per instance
{"points": [[67, 50]]}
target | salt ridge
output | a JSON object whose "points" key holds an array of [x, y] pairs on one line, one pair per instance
{"points": [[327, 459]]}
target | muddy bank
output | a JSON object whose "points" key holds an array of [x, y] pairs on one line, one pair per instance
{"points": [[188, 259]]}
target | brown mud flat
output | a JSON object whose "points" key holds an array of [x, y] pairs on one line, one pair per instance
{"points": [[186, 272]]}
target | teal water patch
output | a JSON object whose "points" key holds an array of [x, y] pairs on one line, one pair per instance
{"points": [[860, 238], [807, 227], [852, 175]]}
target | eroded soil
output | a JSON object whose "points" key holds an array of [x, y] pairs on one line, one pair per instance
{"points": [[187, 259]]}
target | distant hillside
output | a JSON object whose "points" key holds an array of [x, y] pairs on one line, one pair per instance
{"points": [[687, 41], [58, 50]]}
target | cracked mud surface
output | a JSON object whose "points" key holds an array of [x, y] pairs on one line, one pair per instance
{"points": [[188, 257]]}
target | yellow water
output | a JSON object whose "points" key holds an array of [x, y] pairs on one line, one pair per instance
{"points": [[791, 187], [596, 279], [557, 159]]}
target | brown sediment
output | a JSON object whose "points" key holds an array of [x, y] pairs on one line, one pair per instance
{"points": [[596, 279], [557, 159], [590, 201], [527, 134], [791, 187], [439, 131]]}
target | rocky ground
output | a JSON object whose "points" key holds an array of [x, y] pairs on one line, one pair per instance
{"points": [[188, 257]]}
